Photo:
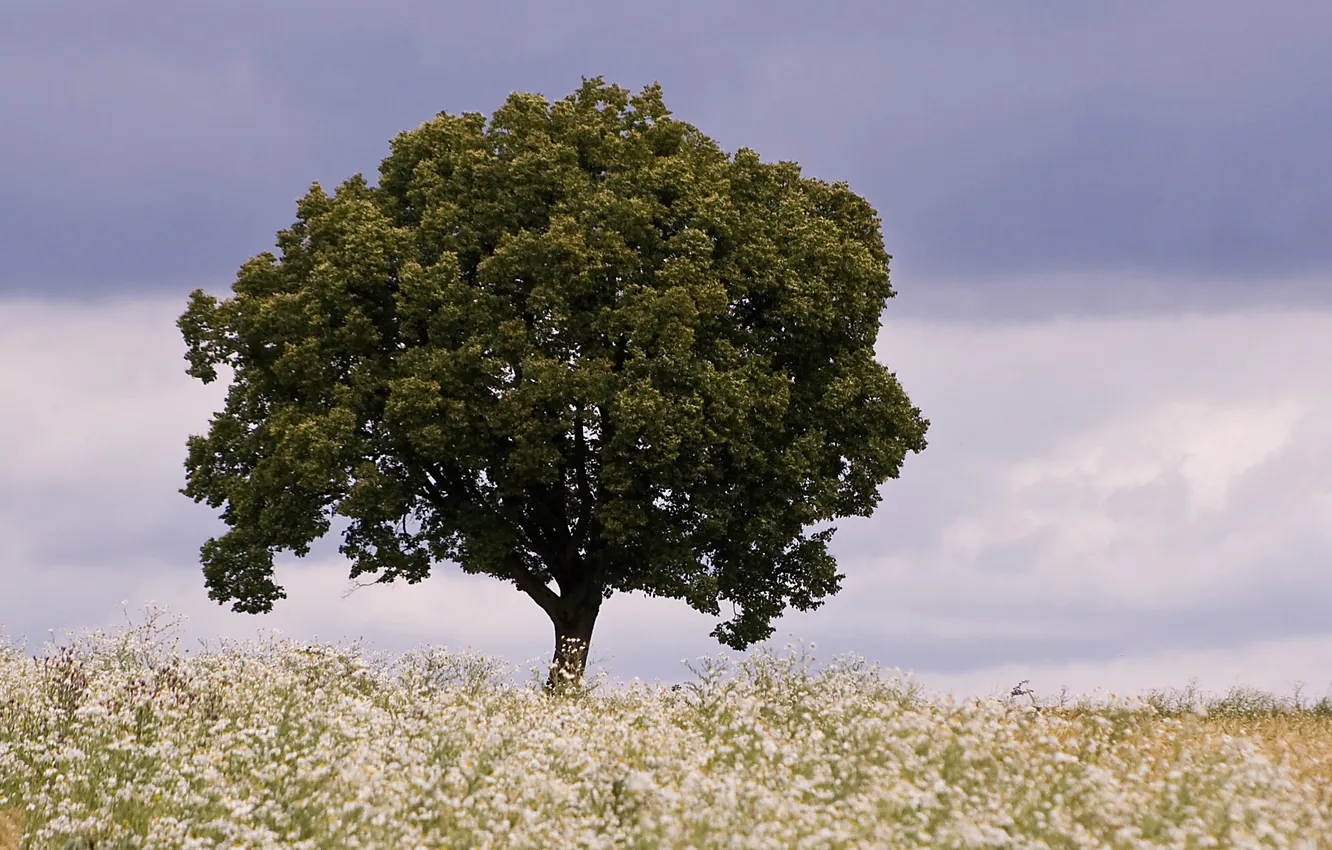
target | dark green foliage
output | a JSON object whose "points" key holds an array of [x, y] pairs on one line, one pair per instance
{"points": [[579, 346]]}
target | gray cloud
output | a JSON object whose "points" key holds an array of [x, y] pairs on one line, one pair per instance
{"points": [[153, 149]]}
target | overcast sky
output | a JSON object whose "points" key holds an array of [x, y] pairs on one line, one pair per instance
{"points": [[1110, 233]]}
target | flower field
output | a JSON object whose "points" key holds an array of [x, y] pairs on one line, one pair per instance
{"points": [[119, 741]]}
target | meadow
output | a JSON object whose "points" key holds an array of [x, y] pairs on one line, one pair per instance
{"points": [[122, 740]]}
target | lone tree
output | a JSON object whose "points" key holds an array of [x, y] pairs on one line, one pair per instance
{"points": [[580, 349]]}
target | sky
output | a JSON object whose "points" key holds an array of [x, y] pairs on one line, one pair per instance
{"points": [[1109, 232]]}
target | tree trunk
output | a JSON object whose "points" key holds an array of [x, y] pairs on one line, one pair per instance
{"points": [[573, 637]]}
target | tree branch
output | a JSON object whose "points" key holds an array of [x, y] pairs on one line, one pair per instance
{"points": [[430, 477], [536, 537], [529, 583], [532, 585], [550, 505]]}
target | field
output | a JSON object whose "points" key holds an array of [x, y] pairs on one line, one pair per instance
{"points": [[122, 740]]}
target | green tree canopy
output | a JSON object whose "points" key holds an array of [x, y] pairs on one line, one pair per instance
{"points": [[580, 349]]}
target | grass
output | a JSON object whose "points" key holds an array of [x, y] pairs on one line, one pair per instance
{"points": [[120, 740]]}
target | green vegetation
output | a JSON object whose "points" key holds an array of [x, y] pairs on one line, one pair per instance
{"points": [[122, 740], [581, 349]]}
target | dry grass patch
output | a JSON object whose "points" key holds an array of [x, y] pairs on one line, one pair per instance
{"points": [[1301, 742], [11, 828]]}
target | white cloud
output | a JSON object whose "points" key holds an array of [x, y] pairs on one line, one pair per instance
{"points": [[95, 388], [1209, 444], [1125, 494], [1117, 451], [1131, 502]]}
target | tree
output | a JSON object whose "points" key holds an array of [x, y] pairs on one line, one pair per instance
{"points": [[580, 349]]}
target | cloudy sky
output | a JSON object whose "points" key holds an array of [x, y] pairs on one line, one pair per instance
{"points": [[1110, 232]]}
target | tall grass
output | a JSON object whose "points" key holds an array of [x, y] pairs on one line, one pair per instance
{"points": [[122, 740]]}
